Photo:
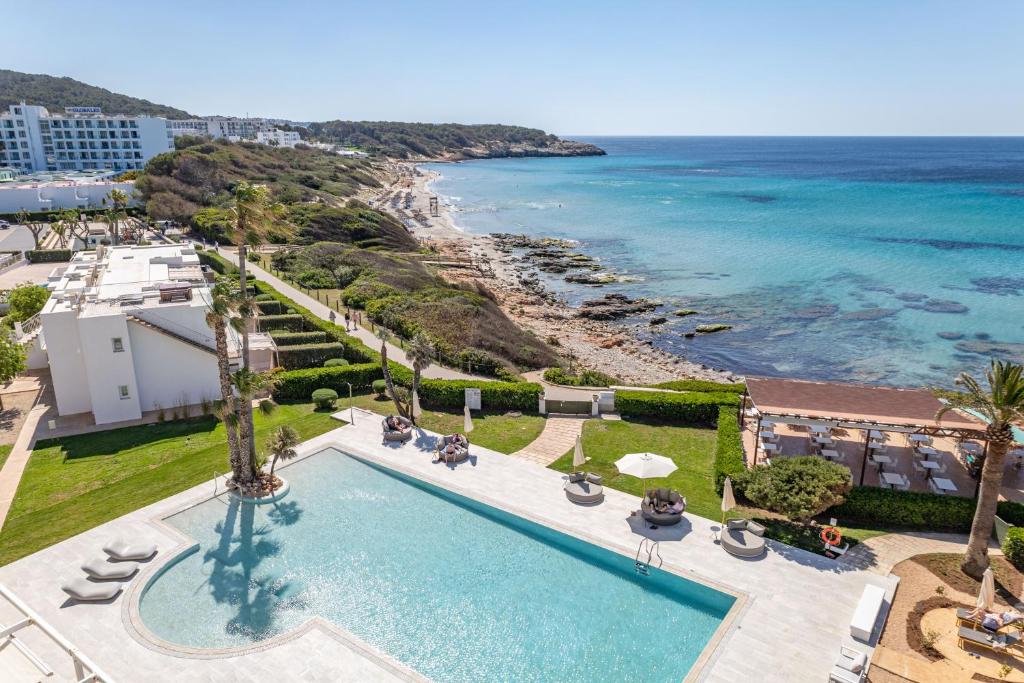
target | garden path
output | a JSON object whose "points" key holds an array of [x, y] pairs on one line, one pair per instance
{"points": [[559, 435], [881, 553]]}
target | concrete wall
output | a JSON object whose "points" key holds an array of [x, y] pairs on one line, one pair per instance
{"points": [[108, 370], [170, 372], [44, 197], [67, 366]]}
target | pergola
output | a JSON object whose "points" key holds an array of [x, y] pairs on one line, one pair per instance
{"points": [[854, 406]]}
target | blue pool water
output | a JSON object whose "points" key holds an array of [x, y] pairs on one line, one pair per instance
{"points": [[457, 590], [890, 260]]}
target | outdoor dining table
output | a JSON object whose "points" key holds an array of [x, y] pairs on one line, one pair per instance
{"points": [[920, 438], [893, 479], [770, 447], [926, 450], [877, 435], [767, 435], [875, 445], [944, 484], [823, 440], [881, 460], [929, 467], [829, 454], [820, 429], [971, 447]]}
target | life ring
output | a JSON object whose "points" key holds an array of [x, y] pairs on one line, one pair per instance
{"points": [[831, 535]]}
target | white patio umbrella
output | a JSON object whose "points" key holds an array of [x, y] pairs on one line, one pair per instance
{"points": [[416, 412], [467, 422], [728, 499], [578, 459], [987, 593], [645, 466]]}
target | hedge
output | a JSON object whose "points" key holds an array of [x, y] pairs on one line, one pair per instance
{"points": [[585, 378], [729, 460], [447, 393], [1013, 546], [701, 385], [694, 408], [292, 322], [48, 255], [889, 508], [299, 385], [270, 307], [308, 355], [295, 338]]}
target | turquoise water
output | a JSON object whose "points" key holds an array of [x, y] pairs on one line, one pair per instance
{"points": [[891, 260], [455, 589]]}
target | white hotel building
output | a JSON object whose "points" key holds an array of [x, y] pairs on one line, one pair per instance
{"points": [[124, 332], [82, 139]]}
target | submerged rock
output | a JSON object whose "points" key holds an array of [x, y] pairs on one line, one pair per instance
{"points": [[682, 312], [660, 320], [870, 314], [614, 306], [713, 327], [951, 336]]}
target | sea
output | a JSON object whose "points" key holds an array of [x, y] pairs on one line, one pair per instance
{"points": [[886, 260]]}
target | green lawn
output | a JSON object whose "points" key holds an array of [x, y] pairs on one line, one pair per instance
{"points": [[494, 430], [75, 483], [692, 449], [5, 450]]}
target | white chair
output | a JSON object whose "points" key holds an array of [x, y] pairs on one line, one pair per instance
{"points": [[851, 666], [905, 485], [916, 464], [935, 488]]}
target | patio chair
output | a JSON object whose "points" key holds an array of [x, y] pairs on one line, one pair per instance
{"points": [[654, 497], [743, 538], [120, 550], [401, 433], [905, 484], [460, 451], [916, 464], [851, 666], [1000, 642], [87, 591], [584, 488], [99, 568], [935, 487]]}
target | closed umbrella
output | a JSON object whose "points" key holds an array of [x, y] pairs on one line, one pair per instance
{"points": [[645, 466], [987, 594], [728, 499], [578, 459], [467, 423]]}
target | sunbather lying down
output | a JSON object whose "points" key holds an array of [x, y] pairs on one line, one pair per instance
{"points": [[994, 621]]}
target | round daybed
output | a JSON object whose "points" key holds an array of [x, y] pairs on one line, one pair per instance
{"points": [[584, 488], [453, 448], [743, 538], [663, 507], [397, 428]]}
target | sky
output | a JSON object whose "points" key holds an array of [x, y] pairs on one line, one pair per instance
{"points": [[716, 67]]}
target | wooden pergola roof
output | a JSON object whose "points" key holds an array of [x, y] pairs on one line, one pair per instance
{"points": [[858, 405]]}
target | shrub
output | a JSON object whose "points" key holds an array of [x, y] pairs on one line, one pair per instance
{"points": [[48, 255], [870, 506], [380, 387], [692, 408], [263, 297], [325, 398], [799, 487], [316, 278], [308, 355], [364, 290], [293, 322], [298, 385], [701, 385], [294, 338], [1011, 513], [729, 460], [585, 378], [1013, 546], [269, 307], [217, 264], [25, 301], [335, 363], [493, 395]]}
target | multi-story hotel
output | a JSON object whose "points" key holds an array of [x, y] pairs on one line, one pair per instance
{"points": [[221, 127], [81, 139]]}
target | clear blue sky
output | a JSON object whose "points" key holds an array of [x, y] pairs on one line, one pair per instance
{"points": [[733, 67]]}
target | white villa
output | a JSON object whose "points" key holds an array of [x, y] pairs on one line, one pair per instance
{"points": [[125, 332]]}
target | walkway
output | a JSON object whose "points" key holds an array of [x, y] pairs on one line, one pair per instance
{"points": [[361, 333], [559, 435], [556, 392], [10, 475], [881, 553]]}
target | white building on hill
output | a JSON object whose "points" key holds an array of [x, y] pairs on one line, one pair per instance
{"points": [[279, 138], [221, 127], [125, 332], [60, 190], [83, 138]]}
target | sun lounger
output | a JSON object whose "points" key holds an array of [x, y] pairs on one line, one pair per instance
{"points": [[743, 538], [87, 591], [99, 568], [990, 641], [584, 489], [121, 550], [850, 667], [866, 614]]}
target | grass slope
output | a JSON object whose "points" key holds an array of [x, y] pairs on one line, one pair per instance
{"points": [[55, 93], [5, 450]]}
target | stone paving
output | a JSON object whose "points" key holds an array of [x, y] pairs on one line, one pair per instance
{"points": [[881, 553], [559, 435]]}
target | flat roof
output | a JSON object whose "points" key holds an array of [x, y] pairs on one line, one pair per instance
{"points": [[858, 403]]}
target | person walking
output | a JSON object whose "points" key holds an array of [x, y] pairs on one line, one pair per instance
{"points": [[347, 320], [333, 317]]}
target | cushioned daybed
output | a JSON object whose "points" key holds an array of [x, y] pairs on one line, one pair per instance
{"points": [[87, 591], [583, 488], [743, 539], [99, 568], [401, 432], [120, 549], [459, 450], [663, 497]]}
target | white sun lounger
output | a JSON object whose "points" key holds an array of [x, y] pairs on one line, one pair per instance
{"points": [[120, 549], [87, 591], [99, 568]]}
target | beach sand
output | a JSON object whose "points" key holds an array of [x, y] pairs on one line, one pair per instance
{"points": [[603, 346]]}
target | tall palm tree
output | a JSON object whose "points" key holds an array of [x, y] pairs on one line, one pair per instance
{"points": [[221, 306], [421, 353], [281, 445], [116, 202], [249, 384], [1000, 405], [385, 368]]}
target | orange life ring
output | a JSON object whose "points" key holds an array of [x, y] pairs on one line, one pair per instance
{"points": [[831, 535]]}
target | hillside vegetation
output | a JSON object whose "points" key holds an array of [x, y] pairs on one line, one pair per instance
{"points": [[55, 93], [448, 140]]}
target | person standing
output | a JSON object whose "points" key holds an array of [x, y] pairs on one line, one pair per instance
{"points": [[347, 320]]}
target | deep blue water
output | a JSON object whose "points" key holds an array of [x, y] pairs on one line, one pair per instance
{"points": [[892, 260]]}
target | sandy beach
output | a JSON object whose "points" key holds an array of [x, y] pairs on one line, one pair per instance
{"points": [[600, 345]]}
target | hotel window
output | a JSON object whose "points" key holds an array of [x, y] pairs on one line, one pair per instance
{"points": [[118, 344], [122, 391]]}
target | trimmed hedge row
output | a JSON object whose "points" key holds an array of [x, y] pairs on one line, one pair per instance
{"points": [[299, 385], [296, 338], [905, 509], [292, 322], [695, 408], [729, 460], [270, 307], [48, 255], [308, 355], [1013, 546], [701, 385], [493, 395]]}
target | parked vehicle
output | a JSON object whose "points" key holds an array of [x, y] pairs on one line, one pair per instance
{"points": [[4, 225]]}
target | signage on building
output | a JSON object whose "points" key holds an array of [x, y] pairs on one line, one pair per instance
{"points": [[83, 110], [473, 399]]}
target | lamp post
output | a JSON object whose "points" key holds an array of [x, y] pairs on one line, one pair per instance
{"points": [[351, 406]]}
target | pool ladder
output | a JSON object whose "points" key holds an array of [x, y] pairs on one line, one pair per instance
{"points": [[643, 566]]}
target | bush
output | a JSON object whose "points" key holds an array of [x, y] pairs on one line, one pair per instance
{"points": [[48, 255], [692, 408], [586, 378], [298, 385], [269, 307], [263, 297], [380, 387], [1013, 546], [701, 385], [799, 487], [25, 301], [308, 355], [887, 508], [335, 363], [295, 338], [325, 398], [1011, 513], [217, 264], [292, 322], [493, 395], [317, 278], [729, 460]]}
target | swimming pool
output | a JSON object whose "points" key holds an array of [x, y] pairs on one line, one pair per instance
{"points": [[455, 589]]}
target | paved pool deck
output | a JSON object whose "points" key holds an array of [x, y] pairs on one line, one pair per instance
{"points": [[792, 613]]}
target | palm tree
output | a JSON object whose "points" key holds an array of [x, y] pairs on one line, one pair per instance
{"points": [[248, 384], [112, 216], [281, 445], [221, 305], [386, 370], [421, 353], [60, 229], [1000, 405]]}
